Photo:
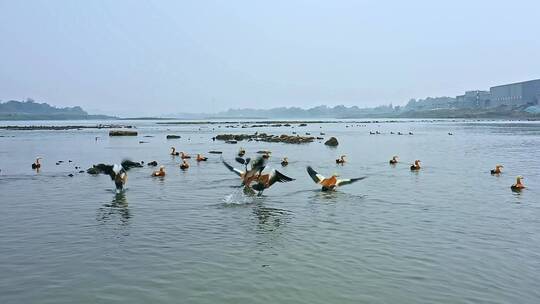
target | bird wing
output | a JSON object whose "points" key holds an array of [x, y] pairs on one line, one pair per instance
{"points": [[237, 171], [106, 169], [316, 177], [278, 177], [258, 164], [240, 160], [128, 164], [342, 182]]}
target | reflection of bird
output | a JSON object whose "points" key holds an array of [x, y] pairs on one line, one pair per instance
{"points": [[267, 180], [160, 172], [518, 186], [173, 152], [341, 160], [497, 169], [285, 162], [201, 158], [184, 165], [394, 160], [330, 183], [36, 164], [416, 165]]}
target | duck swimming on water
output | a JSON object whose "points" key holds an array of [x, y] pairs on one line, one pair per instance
{"points": [[285, 162], [416, 165], [184, 165], [184, 155], [331, 183], [497, 169], [160, 172], [241, 152], [173, 152], [394, 160], [201, 158], [341, 159], [36, 164], [518, 186]]}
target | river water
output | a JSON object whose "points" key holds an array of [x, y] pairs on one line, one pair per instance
{"points": [[451, 233]]}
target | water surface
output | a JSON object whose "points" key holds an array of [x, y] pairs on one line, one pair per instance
{"points": [[451, 233]]}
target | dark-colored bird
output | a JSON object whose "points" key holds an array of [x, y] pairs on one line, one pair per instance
{"points": [[173, 152], [152, 163], [284, 162], [36, 164], [330, 183]]}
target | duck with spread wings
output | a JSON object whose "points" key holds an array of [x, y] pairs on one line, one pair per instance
{"points": [[330, 183]]}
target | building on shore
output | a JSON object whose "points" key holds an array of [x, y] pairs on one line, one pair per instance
{"points": [[515, 94], [472, 99]]}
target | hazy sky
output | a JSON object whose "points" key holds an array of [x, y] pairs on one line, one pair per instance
{"points": [[157, 57]]}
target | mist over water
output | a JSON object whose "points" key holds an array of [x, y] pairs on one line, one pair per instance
{"points": [[450, 233]]}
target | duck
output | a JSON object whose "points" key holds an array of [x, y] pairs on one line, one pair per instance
{"points": [[284, 162], [184, 155], [265, 181], [160, 172], [201, 158], [341, 160], [152, 163], [247, 175], [118, 173], [416, 165], [331, 183], [184, 165], [173, 152], [241, 152], [497, 169], [518, 186], [36, 164], [394, 160]]}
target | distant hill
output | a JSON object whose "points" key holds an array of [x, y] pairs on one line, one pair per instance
{"points": [[31, 110], [315, 112]]}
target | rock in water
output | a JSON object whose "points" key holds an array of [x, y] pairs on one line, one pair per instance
{"points": [[332, 142], [122, 133]]}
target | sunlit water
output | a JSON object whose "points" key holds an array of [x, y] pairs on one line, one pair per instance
{"points": [[451, 233]]}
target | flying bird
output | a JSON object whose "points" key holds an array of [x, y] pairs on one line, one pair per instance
{"points": [[267, 180], [248, 175], [330, 183]]}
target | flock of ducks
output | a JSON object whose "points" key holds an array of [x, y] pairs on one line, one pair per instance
{"points": [[252, 177]]}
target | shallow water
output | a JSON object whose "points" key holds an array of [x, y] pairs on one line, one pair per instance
{"points": [[451, 233]]}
